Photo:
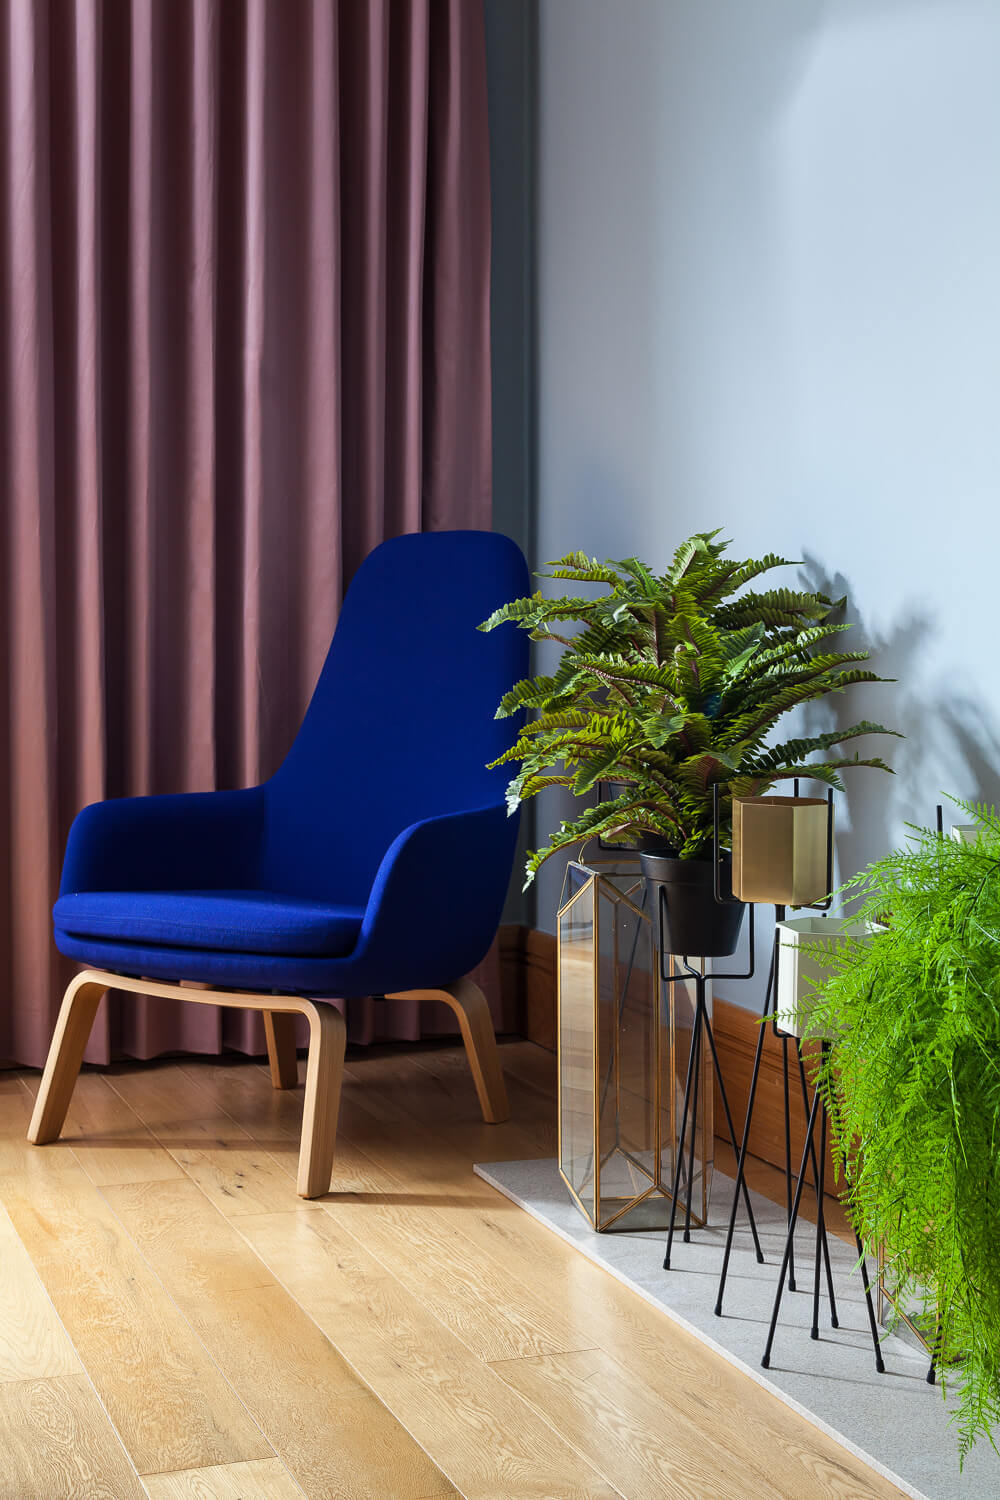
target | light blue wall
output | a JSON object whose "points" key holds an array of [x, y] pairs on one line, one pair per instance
{"points": [[769, 300]]}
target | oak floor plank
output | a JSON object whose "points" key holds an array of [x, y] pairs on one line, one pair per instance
{"points": [[610, 1418], [57, 1444], [321, 1419], [273, 1118], [423, 1167], [232, 1169], [108, 1139], [402, 1092], [264, 1479], [800, 1459], [412, 1248], [373, 1155], [33, 1343], [737, 1414], [494, 1311], [475, 1296], [531, 1108], [487, 1229], [167, 1400], [186, 1241], [534, 1065], [485, 1438]]}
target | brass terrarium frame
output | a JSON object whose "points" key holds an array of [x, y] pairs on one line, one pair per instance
{"points": [[921, 1334], [622, 1180]]}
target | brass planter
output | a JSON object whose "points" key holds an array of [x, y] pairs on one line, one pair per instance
{"points": [[624, 1039], [780, 850]]}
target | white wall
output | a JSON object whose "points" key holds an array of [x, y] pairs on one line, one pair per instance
{"points": [[769, 300]]}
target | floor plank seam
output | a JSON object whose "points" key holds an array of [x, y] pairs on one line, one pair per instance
{"points": [[83, 1364], [351, 1363]]}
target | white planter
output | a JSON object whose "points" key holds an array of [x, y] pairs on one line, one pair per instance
{"points": [[966, 833], [797, 965]]}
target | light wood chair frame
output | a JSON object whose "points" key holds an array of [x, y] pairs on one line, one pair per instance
{"points": [[324, 1066]]}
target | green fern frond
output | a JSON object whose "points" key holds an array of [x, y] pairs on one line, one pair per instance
{"points": [[577, 567], [673, 684], [774, 607], [797, 750], [915, 1076]]}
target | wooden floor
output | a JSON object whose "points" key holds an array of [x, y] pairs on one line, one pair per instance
{"points": [[175, 1322]]}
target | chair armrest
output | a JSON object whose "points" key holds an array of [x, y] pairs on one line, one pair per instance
{"points": [[436, 900], [188, 841]]}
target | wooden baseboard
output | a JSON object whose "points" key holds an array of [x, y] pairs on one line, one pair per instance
{"points": [[528, 979], [528, 975]]}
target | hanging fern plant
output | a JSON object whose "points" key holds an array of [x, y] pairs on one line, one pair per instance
{"points": [[914, 1088], [672, 684]]}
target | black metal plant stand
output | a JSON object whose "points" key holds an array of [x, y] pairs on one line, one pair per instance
{"points": [[809, 1155], [769, 1012], [818, 1104], [701, 1026], [818, 1107], [770, 1009]]}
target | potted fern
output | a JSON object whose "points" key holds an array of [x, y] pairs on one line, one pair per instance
{"points": [[670, 685], [913, 1085]]}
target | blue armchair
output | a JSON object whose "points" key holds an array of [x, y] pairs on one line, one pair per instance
{"points": [[374, 861]]}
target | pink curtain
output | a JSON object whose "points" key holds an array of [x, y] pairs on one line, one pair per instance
{"points": [[244, 336]]}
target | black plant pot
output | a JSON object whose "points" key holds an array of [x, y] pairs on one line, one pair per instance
{"points": [[687, 918]]}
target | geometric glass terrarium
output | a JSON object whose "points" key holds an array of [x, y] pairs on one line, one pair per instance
{"points": [[624, 1040]]}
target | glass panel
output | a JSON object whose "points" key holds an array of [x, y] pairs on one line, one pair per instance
{"points": [[627, 1073], [576, 1037], [624, 1043], [909, 1316]]}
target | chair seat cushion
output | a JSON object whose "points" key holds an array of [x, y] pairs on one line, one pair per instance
{"points": [[247, 921]]}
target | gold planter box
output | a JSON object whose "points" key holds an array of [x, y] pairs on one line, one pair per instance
{"points": [[624, 1041], [780, 850]]}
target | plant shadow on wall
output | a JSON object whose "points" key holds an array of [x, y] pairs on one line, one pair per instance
{"points": [[951, 742]]}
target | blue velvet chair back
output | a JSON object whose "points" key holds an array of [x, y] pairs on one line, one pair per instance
{"points": [[401, 724]]}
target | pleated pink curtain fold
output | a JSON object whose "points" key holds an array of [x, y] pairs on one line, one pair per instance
{"points": [[244, 336]]}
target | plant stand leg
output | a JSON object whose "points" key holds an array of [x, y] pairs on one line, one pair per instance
{"points": [[793, 1217], [820, 1224], [732, 1133], [696, 1041], [816, 1178], [788, 1160], [876, 1345], [931, 1375], [679, 1146], [745, 1143]]}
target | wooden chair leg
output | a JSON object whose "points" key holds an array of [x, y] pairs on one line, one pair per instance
{"points": [[469, 1004], [279, 1028], [62, 1066], [324, 1075]]}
